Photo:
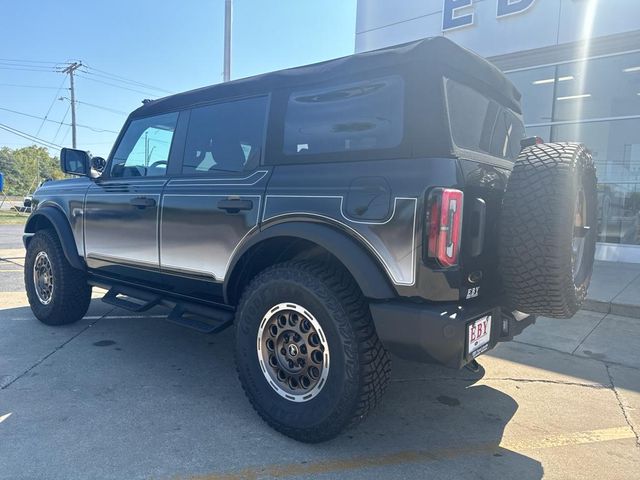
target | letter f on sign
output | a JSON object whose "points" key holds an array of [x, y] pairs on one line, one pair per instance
{"points": [[511, 7]]}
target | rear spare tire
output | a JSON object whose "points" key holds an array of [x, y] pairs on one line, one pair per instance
{"points": [[548, 230]]}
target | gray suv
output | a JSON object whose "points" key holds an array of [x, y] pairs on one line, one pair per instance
{"points": [[383, 202]]}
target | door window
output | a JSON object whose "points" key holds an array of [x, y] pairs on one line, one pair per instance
{"points": [[225, 136], [145, 146]]}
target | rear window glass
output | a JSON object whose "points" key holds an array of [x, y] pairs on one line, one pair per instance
{"points": [[366, 115], [481, 124]]}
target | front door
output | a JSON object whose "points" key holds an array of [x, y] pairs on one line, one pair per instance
{"points": [[123, 206]]}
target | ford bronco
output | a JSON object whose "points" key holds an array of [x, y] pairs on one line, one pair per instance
{"points": [[383, 202]]}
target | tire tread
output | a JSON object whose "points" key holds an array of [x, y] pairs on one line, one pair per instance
{"points": [[374, 361]]}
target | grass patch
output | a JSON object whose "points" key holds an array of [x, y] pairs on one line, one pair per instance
{"points": [[10, 217]]}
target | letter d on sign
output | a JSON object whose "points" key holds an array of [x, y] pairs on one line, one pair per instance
{"points": [[450, 17], [511, 7]]}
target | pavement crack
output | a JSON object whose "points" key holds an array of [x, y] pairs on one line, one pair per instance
{"points": [[56, 349], [622, 407], [10, 260], [581, 357], [589, 334], [595, 386]]}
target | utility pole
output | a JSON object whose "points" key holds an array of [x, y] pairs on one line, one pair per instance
{"points": [[72, 67], [228, 17]]}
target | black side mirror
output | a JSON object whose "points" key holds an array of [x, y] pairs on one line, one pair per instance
{"points": [[75, 162]]}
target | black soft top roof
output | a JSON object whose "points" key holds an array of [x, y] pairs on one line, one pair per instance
{"points": [[436, 54]]}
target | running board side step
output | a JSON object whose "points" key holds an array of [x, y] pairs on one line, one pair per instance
{"points": [[203, 318], [125, 298]]}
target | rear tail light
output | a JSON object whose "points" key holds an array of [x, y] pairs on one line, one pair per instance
{"points": [[531, 141], [444, 222]]}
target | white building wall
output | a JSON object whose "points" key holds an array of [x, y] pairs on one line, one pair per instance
{"points": [[544, 23]]}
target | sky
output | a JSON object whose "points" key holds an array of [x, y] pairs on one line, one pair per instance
{"points": [[167, 46]]}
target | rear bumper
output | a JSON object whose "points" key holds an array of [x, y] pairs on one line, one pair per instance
{"points": [[438, 332]]}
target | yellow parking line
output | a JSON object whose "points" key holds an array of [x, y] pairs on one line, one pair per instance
{"points": [[11, 270], [578, 438], [415, 456]]}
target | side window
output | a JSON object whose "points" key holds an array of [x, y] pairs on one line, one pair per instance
{"points": [[144, 148], [480, 124], [225, 136], [364, 115]]}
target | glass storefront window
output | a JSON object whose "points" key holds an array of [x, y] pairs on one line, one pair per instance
{"points": [[600, 88], [543, 132], [615, 146], [596, 102], [536, 87]]}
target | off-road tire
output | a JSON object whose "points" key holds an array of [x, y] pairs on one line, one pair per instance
{"points": [[360, 366], [537, 228], [71, 294]]}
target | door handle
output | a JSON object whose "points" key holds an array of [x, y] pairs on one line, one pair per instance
{"points": [[234, 205], [143, 202]]}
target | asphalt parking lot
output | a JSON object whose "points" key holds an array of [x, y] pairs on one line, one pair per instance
{"points": [[126, 397]]}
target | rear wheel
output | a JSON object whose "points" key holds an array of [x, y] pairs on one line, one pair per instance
{"points": [[307, 353], [548, 230], [57, 292]]}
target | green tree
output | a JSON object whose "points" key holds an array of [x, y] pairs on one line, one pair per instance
{"points": [[22, 166]]}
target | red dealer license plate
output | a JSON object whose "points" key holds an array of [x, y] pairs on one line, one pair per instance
{"points": [[479, 335]]}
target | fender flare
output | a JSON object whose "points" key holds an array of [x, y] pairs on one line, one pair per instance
{"points": [[366, 270], [61, 225]]}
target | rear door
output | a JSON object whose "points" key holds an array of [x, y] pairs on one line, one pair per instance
{"points": [[122, 207], [214, 197]]}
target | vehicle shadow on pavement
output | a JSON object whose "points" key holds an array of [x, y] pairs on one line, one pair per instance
{"points": [[162, 401], [449, 421]]}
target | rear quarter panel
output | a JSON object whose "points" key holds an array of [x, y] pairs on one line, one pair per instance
{"points": [[378, 203]]}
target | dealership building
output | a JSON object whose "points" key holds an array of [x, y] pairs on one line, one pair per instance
{"points": [[577, 65]]}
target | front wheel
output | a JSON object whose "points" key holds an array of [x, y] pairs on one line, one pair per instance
{"points": [[307, 353], [57, 292]]}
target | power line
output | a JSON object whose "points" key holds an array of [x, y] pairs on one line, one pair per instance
{"points": [[26, 69], [29, 137], [66, 134], [113, 77], [46, 66], [61, 123], [116, 86], [26, 61], [98, 130], [27, 86], [108, 109], [27, 65], [46, 115]]}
